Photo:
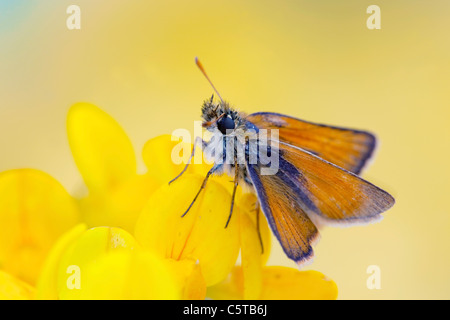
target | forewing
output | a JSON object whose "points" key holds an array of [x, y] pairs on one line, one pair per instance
{"points": [[280, 200], [347, 148]]}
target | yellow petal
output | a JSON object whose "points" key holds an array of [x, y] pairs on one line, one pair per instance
{"points": [[200, 234], [35, 210], [71, 255], [121, 207], [279, 283], [12, 288], [102, 151], [251, 258], [165, 159], [254, 254], [231, 288], [283, 283], [47, 286], [189, 278], [248, 202], [89, 247], [128, 275]]}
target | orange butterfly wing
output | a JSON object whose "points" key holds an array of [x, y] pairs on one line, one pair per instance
{"points": [[332, 193], [349, 149], [282, 207]]}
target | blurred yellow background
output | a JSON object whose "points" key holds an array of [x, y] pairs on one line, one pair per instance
{"points": [[315, 60]]}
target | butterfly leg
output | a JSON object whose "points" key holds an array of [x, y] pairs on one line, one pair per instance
{"points": [[196, 141], [210, 172], [236, 182], [258, 229]]}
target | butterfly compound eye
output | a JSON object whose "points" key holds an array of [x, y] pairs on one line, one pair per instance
{"points": [[224, 124]]}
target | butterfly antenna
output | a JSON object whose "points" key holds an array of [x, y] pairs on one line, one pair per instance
{"points": [[200, 66]]}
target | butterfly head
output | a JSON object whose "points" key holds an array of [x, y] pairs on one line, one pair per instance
{"points": [[219, 116]]}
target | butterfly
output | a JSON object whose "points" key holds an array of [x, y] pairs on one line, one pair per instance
{"points": [[316, 181]]}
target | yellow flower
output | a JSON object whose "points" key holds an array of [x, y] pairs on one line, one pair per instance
{"points": [[35, 210], [105, 263]]}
